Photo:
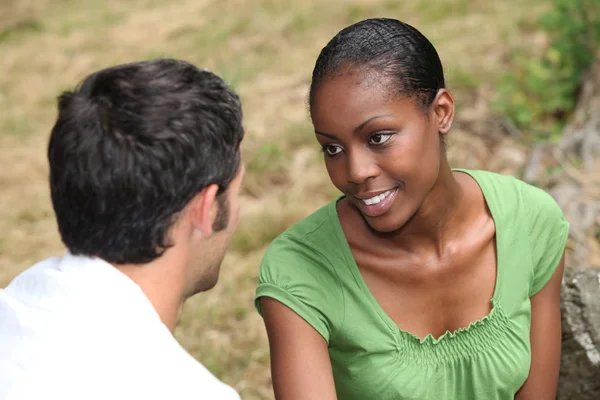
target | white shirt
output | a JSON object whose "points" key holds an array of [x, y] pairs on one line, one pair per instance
{"points": [[75, 328]]}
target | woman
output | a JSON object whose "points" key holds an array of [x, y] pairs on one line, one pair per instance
{"points": [[420, 281]]}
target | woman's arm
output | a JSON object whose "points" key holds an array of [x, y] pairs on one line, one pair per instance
{"points": [[542, 381], [300, 364]]}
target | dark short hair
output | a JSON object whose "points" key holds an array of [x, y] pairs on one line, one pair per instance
{"points": [[132, 145], [389, 47]]}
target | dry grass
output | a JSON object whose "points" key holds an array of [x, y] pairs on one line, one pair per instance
{"points": [[266, 49]]}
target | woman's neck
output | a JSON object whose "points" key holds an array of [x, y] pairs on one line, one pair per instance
{"points": [[438, 220]]}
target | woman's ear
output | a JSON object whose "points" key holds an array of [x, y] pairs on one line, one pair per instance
{"points": [[443, 108]]}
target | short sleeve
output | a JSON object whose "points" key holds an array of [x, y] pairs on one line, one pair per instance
{"points": [[548, 233], [300, 277]]}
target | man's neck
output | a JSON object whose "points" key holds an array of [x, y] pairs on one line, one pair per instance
{"points": [[162, 281]]}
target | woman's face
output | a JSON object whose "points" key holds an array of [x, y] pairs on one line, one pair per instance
{"points": [[382, 152]]}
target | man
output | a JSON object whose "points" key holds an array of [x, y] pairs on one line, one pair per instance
{"points": [[145, 173]]}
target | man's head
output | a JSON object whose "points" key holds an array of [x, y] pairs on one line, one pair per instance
{"points": [[134, 149]]}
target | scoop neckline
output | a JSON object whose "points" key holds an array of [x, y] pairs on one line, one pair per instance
{"points": [[429, 339]]}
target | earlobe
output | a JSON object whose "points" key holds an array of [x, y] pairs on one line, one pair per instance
{"points": [[204, 209], [444, 111]]}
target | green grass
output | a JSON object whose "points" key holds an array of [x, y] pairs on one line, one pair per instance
{"points": [[15, 125], [20, 30], [298, 135], [258, 229]]}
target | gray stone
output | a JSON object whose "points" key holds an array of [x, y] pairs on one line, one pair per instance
{"points": [[580, 364]]}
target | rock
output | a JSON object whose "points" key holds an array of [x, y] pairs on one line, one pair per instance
{"points": [[582, 210], [508, 158], [581, 137], [467, 150], [540, 161], [580, 364], [577, 186]]}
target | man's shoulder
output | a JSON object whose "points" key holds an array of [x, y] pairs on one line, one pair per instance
{"points": [[142, 362], [54, 323], [183, 374], [26, 279]]}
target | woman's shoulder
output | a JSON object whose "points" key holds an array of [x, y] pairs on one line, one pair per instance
{"points": [[490, 178], [300, 269], [528, 214], [512, 194], [310, 247], [316, 232], [521, 204]]}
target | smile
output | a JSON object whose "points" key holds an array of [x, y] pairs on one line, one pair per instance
{"points": [[377, 199], [378, 204]]}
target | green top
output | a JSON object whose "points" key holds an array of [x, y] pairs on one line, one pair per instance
{"points": [[310, 269]]}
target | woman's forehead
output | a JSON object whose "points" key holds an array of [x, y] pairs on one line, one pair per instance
{"points": [[348, 90], [352, 94]]}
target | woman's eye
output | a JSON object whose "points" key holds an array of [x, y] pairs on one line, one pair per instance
{"points": [[332, 150], [379, 138]]}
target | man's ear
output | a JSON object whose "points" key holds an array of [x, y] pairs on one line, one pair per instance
{"points": [[203, 209], [443, 108]]}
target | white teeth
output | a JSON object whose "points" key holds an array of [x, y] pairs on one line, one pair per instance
{"points": [[376, 199]]}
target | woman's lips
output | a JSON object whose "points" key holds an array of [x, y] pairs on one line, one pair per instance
{"points": [[377, 206]]}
